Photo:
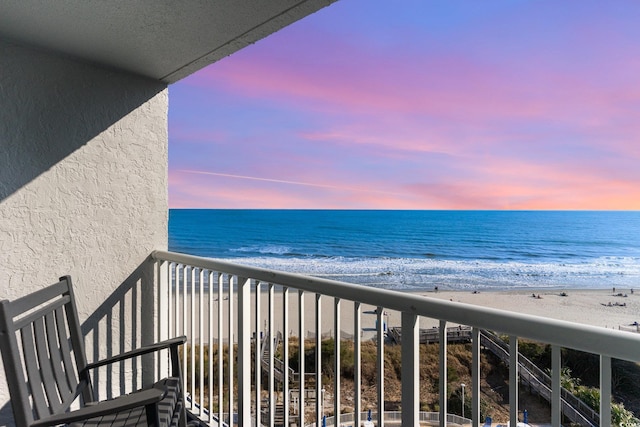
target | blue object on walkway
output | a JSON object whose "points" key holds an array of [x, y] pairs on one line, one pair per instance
{"points": [[369, 415], [525, 416]]}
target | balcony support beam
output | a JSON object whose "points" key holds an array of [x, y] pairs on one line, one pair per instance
{"points": [[244, 351], [410, 373]]}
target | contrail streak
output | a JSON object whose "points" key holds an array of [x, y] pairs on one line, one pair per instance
{"points": [[280, 181]]}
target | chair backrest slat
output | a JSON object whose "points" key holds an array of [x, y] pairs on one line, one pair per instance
{"points": [[34, 379], [45, 362], [77, 343], [64, 373], [39, 313], [39, 297]]}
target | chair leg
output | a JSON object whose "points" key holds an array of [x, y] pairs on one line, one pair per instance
{"points": [[152, 415], [183, 417]]}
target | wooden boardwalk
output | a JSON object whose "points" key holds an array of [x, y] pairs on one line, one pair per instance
{"points": [[457, 334]]}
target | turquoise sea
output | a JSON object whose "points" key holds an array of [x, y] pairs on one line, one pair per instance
{"points": [[416, 250]]}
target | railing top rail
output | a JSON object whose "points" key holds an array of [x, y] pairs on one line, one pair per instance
{"points": [[612, 343]]}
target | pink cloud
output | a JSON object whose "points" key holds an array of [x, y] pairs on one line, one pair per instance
{"points": [[450, 86]]}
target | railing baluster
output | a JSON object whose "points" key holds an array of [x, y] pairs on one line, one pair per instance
{"points": [[380, 366], [357, 357], [220, 349], [175, 281], [244, 351], [513, 380], [184, 322], [231, 345], [285, 353], [475, 373], [336, 364], [556, 396], [164, 314], [319, 392], [272, 336], [605, 391], [192, 331], [443, 372], [210, 349], [301, 381], [258, 359], [201, 341]]}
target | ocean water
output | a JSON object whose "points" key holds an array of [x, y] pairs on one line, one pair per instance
{"points": [[418, 250]]}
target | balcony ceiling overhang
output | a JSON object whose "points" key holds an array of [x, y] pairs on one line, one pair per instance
{"points": [[165, 40]]}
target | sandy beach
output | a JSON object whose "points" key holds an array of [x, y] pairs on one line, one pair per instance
{"points": [[605, 308]]}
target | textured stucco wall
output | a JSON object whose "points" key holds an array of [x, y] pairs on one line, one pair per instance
{"points": [[83, 191]]}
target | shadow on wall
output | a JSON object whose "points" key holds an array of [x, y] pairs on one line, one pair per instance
{"points": [[50, 106], [123, 322]]}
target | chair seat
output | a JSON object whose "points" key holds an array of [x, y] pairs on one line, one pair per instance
{"points": [[169, 410]]}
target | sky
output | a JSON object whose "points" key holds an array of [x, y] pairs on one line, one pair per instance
{"points": [[419, 104]]}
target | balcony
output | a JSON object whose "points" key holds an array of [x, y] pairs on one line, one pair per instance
{"points": [[262, 312]]}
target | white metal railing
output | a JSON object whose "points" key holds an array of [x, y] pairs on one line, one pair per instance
{"points": [[396, 417], [217, 303], [573, 408]]}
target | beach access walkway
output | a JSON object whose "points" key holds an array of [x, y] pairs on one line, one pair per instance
{"points": [[538, 381]]}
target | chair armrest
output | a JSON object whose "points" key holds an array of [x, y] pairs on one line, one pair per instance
{"points": [[124, 403], [173, 342]]}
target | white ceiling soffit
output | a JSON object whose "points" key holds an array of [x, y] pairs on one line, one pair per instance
{"points": [[162, 39]]}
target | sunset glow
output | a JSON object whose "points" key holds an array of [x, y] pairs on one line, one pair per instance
{"points": [[419, 105]]}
